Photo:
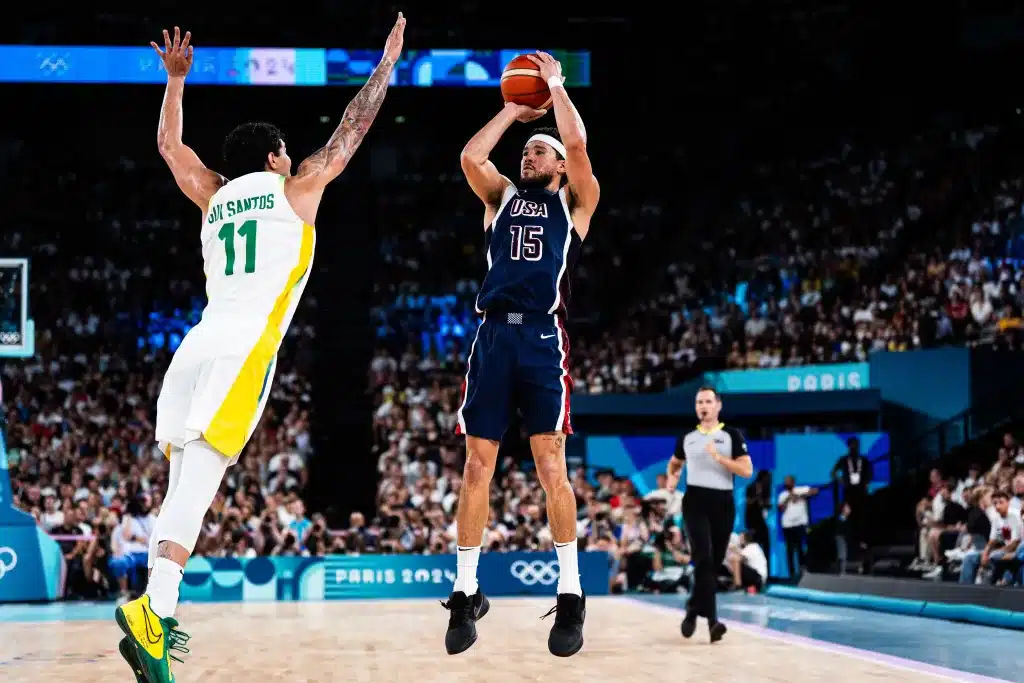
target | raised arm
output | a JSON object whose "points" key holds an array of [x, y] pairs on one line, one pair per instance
{"points": [[327, 163], [193, 177], [574, 136], [481, 174]]}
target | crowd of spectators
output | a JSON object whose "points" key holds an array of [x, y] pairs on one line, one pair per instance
{"points": [[971, 526], [826, 261]]}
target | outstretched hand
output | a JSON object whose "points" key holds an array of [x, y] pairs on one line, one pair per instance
{"points": [[176, 55], [393, 48], [548, 65]]}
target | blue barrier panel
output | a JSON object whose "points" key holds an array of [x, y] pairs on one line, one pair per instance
{"points": [[879, 603], [975, 614], [31, 563], [340, 577]]}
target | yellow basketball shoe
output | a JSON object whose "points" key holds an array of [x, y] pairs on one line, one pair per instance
{"points": [[152, 638]]}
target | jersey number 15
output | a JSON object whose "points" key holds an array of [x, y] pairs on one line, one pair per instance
{"points": [[227, 235], [526, 242]]}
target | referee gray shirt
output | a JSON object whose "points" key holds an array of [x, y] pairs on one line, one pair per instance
{"points": [[701, 468]]}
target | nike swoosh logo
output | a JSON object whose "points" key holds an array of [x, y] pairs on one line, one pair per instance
{"points": [[547, 336], [152, 637]]}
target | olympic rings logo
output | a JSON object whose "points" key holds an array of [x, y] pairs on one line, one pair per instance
{"points": [[537, 571], [6, 566]]}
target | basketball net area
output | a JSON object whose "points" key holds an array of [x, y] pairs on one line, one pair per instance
{"points": [[17, 331]]}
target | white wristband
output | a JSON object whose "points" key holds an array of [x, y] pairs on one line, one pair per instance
{"points": [[555, 82]]}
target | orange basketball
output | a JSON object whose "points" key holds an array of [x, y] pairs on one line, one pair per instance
{"points": [[521, 83]]}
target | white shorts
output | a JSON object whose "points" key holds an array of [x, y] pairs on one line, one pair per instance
{"points": [[215, 391]]}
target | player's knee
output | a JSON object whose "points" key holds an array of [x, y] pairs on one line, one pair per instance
{"points": [[481, 456], [181, 517], [549, 458]]}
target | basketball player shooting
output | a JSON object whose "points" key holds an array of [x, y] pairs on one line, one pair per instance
{"points": [[257, 239], [519, 359]]}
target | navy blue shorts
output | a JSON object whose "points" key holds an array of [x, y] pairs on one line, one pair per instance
{"points": [[517, 363]]}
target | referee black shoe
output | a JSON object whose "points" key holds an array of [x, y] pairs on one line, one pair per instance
{"points": [[689, 625], [566, 637], [717, 630], [465, 611]]}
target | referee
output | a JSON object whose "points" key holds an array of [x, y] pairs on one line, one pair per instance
{"points": [[713, 455]]}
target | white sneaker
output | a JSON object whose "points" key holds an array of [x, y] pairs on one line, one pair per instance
{"points": [[955, 554], [934, 574]]}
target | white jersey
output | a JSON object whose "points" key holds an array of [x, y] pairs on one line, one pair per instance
{"points": [[257, 256]]}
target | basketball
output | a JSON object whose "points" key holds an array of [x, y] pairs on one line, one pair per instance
{"points": [[521, 83]]}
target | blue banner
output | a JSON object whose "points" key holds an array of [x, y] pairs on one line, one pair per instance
{"points": [[31, 563], [269, 66], [341, 577], [808, 457], [836, 377]]}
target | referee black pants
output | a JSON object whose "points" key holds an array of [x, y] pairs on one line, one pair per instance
{"points": [[709, 516]]}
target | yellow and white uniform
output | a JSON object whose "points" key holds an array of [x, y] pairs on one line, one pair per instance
{"points": [[257, 255]]}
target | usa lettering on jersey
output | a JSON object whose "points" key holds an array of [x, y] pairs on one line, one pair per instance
{"points": [[525, 207]]}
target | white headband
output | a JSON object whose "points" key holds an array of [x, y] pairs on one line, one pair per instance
{"points": [[548, 140]]}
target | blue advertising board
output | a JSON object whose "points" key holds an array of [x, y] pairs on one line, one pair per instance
{"points": [[808, 457], [341, 577], [835, 377], [270, 66], [31, 563]]}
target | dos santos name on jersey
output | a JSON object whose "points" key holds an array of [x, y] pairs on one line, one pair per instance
{"points": [[233, 207]]}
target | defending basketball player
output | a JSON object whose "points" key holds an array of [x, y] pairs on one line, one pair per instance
{"points": [[257, 240], [519, 360]]}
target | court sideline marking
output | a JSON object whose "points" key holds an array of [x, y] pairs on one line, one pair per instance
{"points": [[835, 648]]}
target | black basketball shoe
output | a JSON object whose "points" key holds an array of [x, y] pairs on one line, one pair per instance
{"points": [[465, 611], [566, 637], [689, 624], [717, 630]]}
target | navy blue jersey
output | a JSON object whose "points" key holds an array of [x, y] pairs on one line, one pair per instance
{"points": [[531, 249]]}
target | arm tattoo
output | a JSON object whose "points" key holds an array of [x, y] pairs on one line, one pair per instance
{"points": [[356, 121]]}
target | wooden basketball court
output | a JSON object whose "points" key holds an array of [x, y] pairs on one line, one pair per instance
{"points": [[402, 641]]}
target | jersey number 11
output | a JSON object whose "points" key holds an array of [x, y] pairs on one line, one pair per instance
{"points": [[227, 234]]}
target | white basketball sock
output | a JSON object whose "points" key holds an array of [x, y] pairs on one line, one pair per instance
{"points": [[466, 562], [568, 568], [163, 587]]}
